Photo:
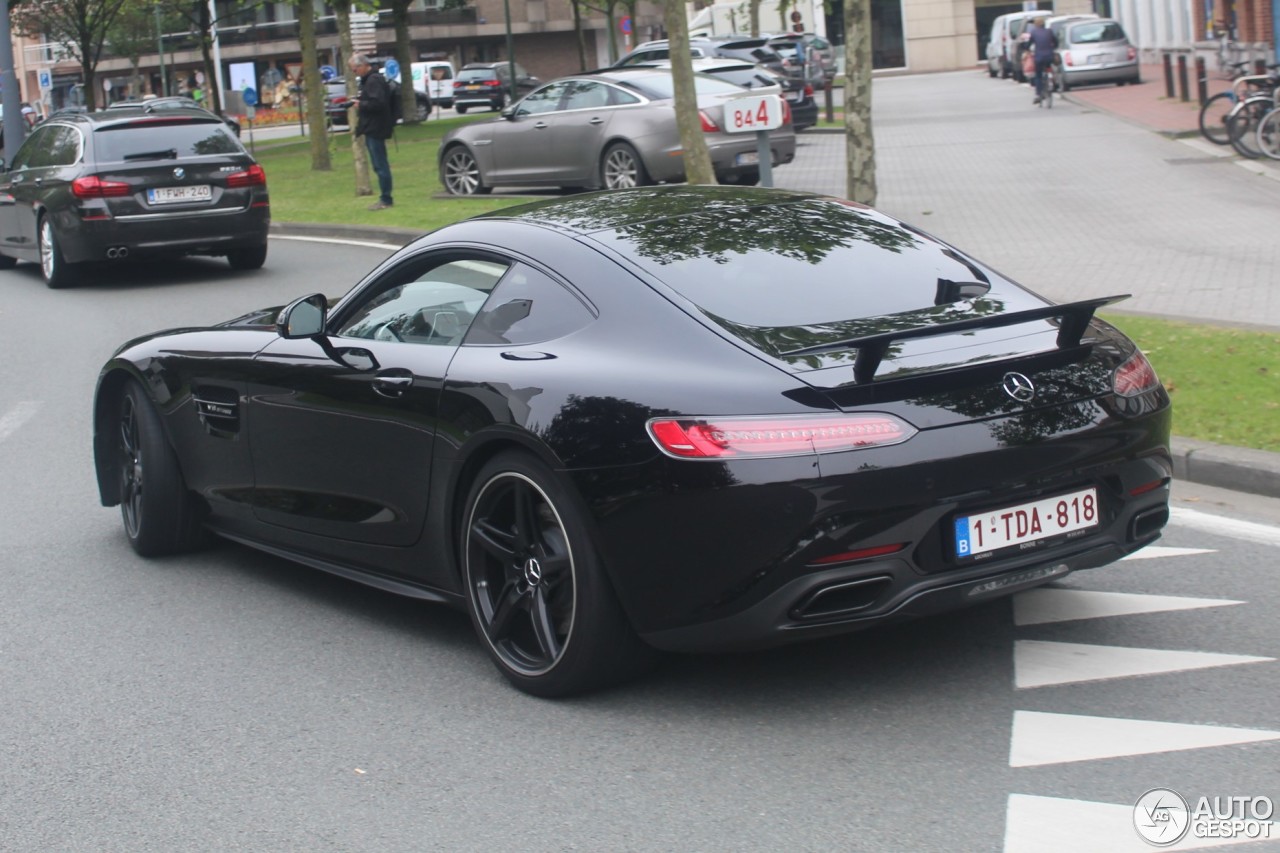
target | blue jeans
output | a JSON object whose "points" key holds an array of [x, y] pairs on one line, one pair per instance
{"points": [[381, 167], [1042, 65]]}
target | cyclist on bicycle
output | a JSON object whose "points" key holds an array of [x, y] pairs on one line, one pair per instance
{"points": [[1042, 43]]}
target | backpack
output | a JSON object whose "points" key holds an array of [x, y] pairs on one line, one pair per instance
{"points": [[397, 106]]}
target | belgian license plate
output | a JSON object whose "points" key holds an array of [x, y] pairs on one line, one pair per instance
{"points": [[748, 158], [1026, 525], [177, 195], [1097, 59]]}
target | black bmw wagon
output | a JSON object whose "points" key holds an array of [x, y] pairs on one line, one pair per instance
{"points": [[104, 187]]}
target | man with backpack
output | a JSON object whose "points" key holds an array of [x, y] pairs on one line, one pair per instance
{"points": [[375, 122]]}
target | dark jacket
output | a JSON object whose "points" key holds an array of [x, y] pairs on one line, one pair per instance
{"points": [[374, 115], [1043, 41]]}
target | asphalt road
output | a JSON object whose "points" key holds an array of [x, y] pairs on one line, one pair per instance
{"points": [[233, 701]]}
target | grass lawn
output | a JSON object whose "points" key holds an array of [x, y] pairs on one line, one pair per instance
{"points": [[1225, 382]]}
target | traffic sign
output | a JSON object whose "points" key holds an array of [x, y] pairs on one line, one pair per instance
{"points": [[328, 72], [391, 69], [46, 81], [250, 95], [625, 25]]}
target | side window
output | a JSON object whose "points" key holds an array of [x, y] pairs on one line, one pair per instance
{"points": [[542, 100], [64, 148], [430, 301], [34, 152], [617, 97], [586, 95], [528, 307]]}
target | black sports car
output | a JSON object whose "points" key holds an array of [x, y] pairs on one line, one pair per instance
{"points": [[679, 417]]}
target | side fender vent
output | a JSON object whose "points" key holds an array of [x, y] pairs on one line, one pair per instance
{"points": [[219, 410]]}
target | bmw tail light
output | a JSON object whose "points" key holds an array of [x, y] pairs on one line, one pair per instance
{"points": [[91, 186], [251, 177], [1136, 376], [708, 126], [755, 437]]}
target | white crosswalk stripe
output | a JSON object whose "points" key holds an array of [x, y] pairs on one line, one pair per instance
{"points": [[1049, 604], [1041, 664], [1157, 552], [1250, 531]]}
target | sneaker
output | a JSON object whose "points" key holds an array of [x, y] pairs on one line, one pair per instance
{"points": [[380, 205], [1036, 101]]}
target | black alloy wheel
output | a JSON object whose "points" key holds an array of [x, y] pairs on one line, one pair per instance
{"points": [[160, 515], [536, 591]]}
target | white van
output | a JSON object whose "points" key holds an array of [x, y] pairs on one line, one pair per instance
{"points": [[436, 79], [1002, 42]]}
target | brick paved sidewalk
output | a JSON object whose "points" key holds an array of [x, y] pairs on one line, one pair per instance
{"points": [[1148, 103]]}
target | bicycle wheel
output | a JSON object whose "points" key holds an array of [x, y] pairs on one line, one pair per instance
{"points": [[1269, 134], [1242, 126], [1213, 117], [1049, 85]]}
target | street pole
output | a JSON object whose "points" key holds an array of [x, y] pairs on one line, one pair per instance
{"points": [[164, 80], [511, 49], [10, 92], [217, 58]]}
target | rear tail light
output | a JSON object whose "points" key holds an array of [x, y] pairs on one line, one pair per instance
{"points": [[1136, 376], [808, 90], [251, 177], [457, 84], [786, 112], [1066, 58], [708, 126], [91, 186], [860, 554], [493, 84], [1133, 53], [755, 437]]}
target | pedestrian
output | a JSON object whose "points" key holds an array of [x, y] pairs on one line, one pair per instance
{"points": [[1042, 44], [374, 123]]}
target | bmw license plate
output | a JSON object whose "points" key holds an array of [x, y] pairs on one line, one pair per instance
{"points": [[1026, 525], [177, 195], [747, 158]]}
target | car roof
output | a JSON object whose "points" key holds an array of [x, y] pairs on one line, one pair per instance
{"points": [[132, 113]]}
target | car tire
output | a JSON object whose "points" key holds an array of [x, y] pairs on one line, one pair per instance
{"points": [[461, 110], [622, 168], [1062, 83], [462, 173], [741, 179], [248, 258], [6, 262], [53, 267], [424, 108], [536, 590], [160, 515]]}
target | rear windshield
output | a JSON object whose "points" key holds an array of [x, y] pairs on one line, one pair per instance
{"points": [[163, 139], [663, 85], [477, 74], [1095, 32], [809, 264]]}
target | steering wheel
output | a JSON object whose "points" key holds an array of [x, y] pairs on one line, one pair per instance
{"points": [[385, 332]]}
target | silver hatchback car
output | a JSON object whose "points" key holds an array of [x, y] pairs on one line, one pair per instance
{"points": [[611, 130], [1095, 51]]}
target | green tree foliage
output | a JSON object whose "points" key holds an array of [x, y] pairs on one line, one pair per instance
{"points": [[81, 26]]}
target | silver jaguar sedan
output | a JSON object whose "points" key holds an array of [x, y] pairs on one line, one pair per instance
{"points": [[608, 129]]}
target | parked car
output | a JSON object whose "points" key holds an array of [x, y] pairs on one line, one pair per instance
{"points": [[609, 129], [131, 182], [173, 102], [1096, 51], [600, 426], [760, 80], [755, 50], [488, 84], [806, 55], [434, 78], [1002, 45]]}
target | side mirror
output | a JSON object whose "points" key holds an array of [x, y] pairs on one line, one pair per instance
{"points": [[303, 318], [509, 112]]}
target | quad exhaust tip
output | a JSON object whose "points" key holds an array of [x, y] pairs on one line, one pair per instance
{"points": [[118, 252]]}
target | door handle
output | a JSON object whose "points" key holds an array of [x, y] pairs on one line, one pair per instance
{"points": [[596, 120], [393, 383], [540, 125]]}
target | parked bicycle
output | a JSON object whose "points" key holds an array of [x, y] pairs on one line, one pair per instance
{"points": [[1214, 112], [1268, 134], [1229, 53], [1233, 117]]}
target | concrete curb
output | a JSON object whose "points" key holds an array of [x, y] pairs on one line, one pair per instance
{"points": [[1237, 468]]}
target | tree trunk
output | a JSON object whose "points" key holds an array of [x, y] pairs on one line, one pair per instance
{"points": [[860, 144], [404, 55], [212, 97], [697, 159], [359, 154], [582, 36], [90, 86], [754, 12], [313, 88]]}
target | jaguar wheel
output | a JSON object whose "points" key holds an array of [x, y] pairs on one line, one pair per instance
{"points": [[621, 168], [56, 271], [536, 591], [462, 173], [160, 515]]}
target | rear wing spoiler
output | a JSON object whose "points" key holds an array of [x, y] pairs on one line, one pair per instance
{"points": [[1073, 317]]}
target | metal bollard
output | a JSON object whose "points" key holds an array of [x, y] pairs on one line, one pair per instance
{"points": [[1182, 78], [1259, 66], [1168, 75], [1202, 81], [826, 89]]}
